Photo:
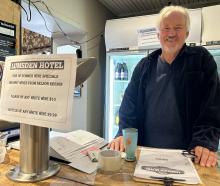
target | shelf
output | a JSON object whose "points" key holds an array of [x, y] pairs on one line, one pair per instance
{"points": [[117, 105], [121, 81]]}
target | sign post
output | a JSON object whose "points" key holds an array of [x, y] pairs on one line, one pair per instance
{"points": [[34, 158]]}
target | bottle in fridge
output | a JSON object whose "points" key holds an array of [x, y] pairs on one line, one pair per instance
{"points": [[119, 69]]}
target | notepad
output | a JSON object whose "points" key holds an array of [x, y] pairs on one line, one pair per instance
{"points": [[163, 163]]}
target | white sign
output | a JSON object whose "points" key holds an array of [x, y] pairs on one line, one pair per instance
{"points": [[38, 90], [148, 37]]}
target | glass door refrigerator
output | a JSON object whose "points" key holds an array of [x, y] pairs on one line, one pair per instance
{"points": [[215, 51], [119, 69]]}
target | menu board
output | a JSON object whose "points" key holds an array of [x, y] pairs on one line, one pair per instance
{"points": [[7, 39]]}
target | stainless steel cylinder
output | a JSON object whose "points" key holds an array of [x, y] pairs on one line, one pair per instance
{"points": [[34, 156], [34, 145]]}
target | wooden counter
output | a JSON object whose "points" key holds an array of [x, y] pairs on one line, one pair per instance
{"points": [[209, 176]]}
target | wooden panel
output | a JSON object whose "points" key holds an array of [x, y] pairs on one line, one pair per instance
{"points": [[71, 177], [10, 12]]}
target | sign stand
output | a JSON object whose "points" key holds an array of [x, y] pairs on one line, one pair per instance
{"points": [[33, 79], [34, 156]]}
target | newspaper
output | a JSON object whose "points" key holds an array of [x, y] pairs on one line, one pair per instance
{"points": [[159, 163], [74, 146]]}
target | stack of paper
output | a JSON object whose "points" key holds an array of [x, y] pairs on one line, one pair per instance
{"points": [[73, 147], [164, 163]]}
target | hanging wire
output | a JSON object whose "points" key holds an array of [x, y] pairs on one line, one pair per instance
{"points": [[94, 37], [65, 35], [58, 25], [29, 7], [45, 23]]}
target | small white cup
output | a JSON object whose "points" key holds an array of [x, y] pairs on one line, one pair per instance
{"points": [[3, 141], [109, 161], [2, 153]]}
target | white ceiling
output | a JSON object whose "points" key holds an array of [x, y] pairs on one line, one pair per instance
{"points": [[128, 8], [37, 23], [121, 8]]}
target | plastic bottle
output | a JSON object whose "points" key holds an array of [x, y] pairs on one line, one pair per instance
{"points": [[122, 72], [117, 71], [125, 71], [121, 96]]}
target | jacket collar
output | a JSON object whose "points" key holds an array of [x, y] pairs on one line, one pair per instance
{"points": [[184, 50]]}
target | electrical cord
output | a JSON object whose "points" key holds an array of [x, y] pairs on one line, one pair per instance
{"points": [[99, 34], [58, 25], [50, 13], [29, 7], [45, 23]]}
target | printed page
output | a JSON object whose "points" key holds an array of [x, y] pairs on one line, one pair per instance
{"points": [[73, 147], [81, 137], [38, 90], [166, 163], [84, 164]]}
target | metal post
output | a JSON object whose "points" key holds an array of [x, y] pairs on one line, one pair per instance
{"points": [[34, 156]]}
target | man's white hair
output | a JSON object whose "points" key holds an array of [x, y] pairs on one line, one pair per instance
{"points": [[168, 10]]}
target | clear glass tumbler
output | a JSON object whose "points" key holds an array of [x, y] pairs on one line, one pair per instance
{"points": [[130, 136]]}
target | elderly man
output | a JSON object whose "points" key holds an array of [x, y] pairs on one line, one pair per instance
{"points": [[173, 98]]}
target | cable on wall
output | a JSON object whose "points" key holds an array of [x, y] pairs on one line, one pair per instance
{"points": [[58, 25], [45, 22], [92, 38], [29, 7], [50, 13], [68, 38]]}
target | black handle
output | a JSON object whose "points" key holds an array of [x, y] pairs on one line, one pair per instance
{"points": [[168, 183]]}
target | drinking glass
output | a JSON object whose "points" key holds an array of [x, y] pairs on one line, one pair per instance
{"points": [[130, 136]]}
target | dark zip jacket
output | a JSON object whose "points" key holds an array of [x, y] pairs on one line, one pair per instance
{"points": [[197, 92]]}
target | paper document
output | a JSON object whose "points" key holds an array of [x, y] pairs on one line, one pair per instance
{"points": [[84, 164], [38, 90], [166, 163], [74, 146]]}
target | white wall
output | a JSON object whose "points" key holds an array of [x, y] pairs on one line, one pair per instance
{"points": [[90, 17], [211, 24]]}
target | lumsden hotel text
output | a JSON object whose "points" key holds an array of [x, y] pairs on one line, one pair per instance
{"points": [[37, 65]]}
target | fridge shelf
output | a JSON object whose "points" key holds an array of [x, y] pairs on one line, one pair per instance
{"points": [[121, 81], [117, 105]]}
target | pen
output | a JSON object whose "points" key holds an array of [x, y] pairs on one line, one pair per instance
{"points": [[3, 134], [104, 145], [167, 180], [92, 156]]}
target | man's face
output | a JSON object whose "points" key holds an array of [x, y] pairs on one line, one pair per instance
{"points": [[172, 32]]}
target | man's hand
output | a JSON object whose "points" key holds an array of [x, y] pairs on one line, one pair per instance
{"points": [[117, 144], [205, 157]]}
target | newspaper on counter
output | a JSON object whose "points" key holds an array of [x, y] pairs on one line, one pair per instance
{"points": [[73, 147], [158, 163]]}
